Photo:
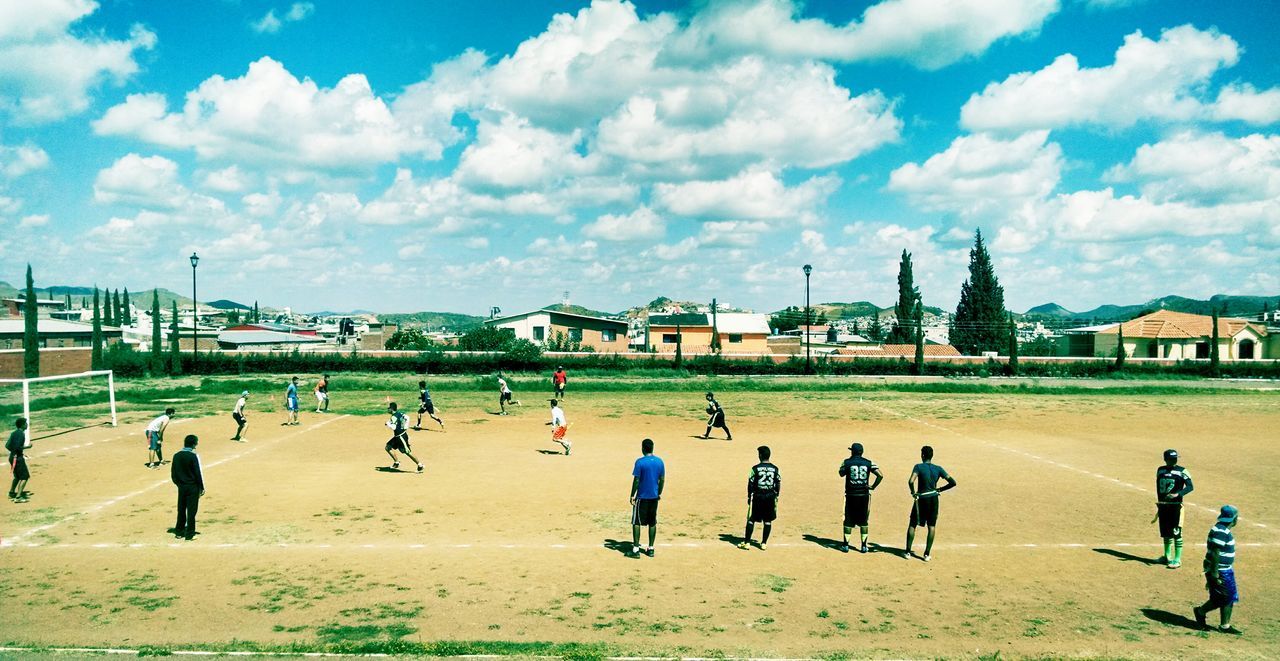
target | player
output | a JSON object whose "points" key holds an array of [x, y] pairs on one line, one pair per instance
{"points": [[504, 395], [425, 405], [716, 418], [17, 445], [291, 403], [1219, 572], [559, 427], [237, 414], [399, 437], [558, 381], [1172, 483], [648, 478], [764, 487], [322, 394], [155, 438], [923, 484], [857, 471]]}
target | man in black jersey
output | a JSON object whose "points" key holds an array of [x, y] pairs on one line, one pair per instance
{"points": [[923, 484], [856, 471], [1172, 483], [425, 405], [764, 486]]}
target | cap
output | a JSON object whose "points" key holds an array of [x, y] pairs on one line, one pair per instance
{"points": [[244, 394], [856, 447], [1228, 514], [1171, 454]]}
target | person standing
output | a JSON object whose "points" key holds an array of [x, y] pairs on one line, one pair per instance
{"points": [[399, 442], [1219, 572], [715, 418], [559, 427], [425, 405], [17, 445], [237, 414], [291, 403], [322, 394], [764, 488], [155, 438], [558, 382], [504, 395], [648, 478], [857, 471], [1172, 483], [923, 484], [189, 478]]}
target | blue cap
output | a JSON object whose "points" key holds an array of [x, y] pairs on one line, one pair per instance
{"points": [[1228, 514]]}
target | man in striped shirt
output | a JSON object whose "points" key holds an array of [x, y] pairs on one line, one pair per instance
{"points": [[1219, 572]]}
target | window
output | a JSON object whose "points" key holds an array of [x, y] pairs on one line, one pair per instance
{"points": [[608, 335], [1202, 350], [1245, 350], [668, 338], [539, 333], [1153, 350], [575, 334], [735, 338]]}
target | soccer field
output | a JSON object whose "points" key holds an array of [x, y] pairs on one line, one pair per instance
{"points": [[1045, 548]]}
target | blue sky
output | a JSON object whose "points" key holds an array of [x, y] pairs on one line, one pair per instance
{"points": [[452, 156]]}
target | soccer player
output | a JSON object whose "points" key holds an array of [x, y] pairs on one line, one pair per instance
{"points": [[425, 405], [155, 438], [504, 395], [648, 478], [291, 403], [559, 427], [16, 445], [1219, 572], [189, 478], [923, 484], [764, 487], [857, 471], [322, 394], [1172, 483], [237, 414], [399, 437], [716, 418], [558, 381]]}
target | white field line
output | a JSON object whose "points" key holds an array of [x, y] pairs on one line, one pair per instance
{"points": [[376, 655], [253, 546], [108, 503], [1045, 460], [106, 440]]}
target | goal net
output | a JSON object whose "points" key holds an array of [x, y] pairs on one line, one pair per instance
{"points": [[58, 404]]}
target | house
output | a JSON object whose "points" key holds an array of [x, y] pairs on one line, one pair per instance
{"points": [[54, 333], [274, 327], [1173, 335], [232, 340], [540, 326], [44, 306], [898, 351], [740, 332]]}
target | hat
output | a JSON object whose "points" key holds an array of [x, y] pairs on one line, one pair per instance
{"points": [[244, 394], [1171, 454], [1228, 514], [856, 448]]}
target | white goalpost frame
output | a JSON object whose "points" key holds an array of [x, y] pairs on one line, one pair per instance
{"points": [[26, 391]]}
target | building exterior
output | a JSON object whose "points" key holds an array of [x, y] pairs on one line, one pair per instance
{"points": [[44, 306], [740, 332], [898, 351], [54, 333], [232, 340], [539, 326], [1172, 335]]}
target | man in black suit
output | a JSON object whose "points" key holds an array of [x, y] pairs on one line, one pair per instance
{"points": [[189, 479]]}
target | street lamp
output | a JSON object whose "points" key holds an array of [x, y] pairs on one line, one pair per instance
{"points": [[195, 312], [808, 341]]}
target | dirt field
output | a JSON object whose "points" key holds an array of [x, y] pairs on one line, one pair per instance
{"points": [[1044, 549]]}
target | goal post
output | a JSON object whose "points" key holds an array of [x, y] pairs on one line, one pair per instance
{"points": [[27, 383]]}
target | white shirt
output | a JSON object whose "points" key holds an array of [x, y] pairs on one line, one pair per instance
{"points": [[239, 406], [158, 424], [502, 385], [557, 417]]}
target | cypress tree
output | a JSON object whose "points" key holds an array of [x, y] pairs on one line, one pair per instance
{"points": [[905, 308], [257, 317], [679, 337], [919, 338], [175, 349], [979, 322], [1013, 346], [126, 308], [119, 309], [67, 304], [1214, 358], [876, 330], [1120, 352], [157, 340], [108, 309], [715, 329], [95, 358], [30, 330]]}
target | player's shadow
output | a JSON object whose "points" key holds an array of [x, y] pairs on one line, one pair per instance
{"points": [[621, 546], [824, 542], [388, 469], [550, 452], [731, 539], [1127, 557], [1171, 619]]}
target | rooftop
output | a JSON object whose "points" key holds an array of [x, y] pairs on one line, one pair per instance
{"points": [[266, 337], [1167, 324], [44, 326], [522, 315], [899, 351]]}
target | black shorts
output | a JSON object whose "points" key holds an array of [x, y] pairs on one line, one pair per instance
{"points": [[1170, 515], [18, 466], [427, 407], [238, 418], [925, 512], [857, 510], [717, 420], [504, 397], [645, 513], [763, 508], [399, 442]]}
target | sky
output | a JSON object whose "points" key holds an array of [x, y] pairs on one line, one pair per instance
{"points": [[411, 155]]}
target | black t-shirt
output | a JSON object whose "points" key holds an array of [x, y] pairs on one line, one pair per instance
{"points": [[765, 481], [16, 440], [857, 474], [1170, 481]]}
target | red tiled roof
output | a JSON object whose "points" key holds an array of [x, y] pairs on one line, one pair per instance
{"points": [[1167, 324], [899, 350]]}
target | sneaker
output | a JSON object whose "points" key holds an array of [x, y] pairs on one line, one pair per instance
{"points": [[926, 557], [568, 447], [12, 495], [635, 552], [420, 468], [1201, 617], [395, 465], [649, 551], [441, 424], [743, 545], [416, 428], [864, 548], [844, 548], [764, 547], [20, 499], [1230, 629], [1173, 565]]}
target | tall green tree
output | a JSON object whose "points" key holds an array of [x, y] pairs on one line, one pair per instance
{"points": [[257, 317], [127, 308], [95, 355], [1215, 368], [175, 347], [979, 322], [108, 309], [157, 338], [904, 310], [1013, 346], [67, 304], [715, 328], [30, 330], [679, 338], [1120, 351], [119, 308], [875, 332], [919, 338]]}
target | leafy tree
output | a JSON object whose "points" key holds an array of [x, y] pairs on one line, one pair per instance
{"points": [[409, 339], [792, 317], [30, 330], [233, 318], [175, 347], [126, 308], [95, 359], [919, 338], [1013, 346], [1040, 346], [1120, 352], [559, 341], [905, 309], [157, 340], [487, 338], [875, 332], [979, 322]]}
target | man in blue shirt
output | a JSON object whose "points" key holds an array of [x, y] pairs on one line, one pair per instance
{"points": [[291, 403], [1219, 572], [923, 484], [647, 481]]}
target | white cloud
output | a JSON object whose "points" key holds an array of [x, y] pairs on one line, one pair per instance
{"points": [[982, 173], [563, 249], [754, 195], [476, 243], [731, 233], [46, 72], [1148, 80], [34, 220], [1247, 104], [813, 242], [410, 251], [271, 24], [641, 224], [262, 205], [1206, 168], [672, 252], [230, 179], [927, 34], [150, 181], [513, 154], [18, 161], [1104, 216]]}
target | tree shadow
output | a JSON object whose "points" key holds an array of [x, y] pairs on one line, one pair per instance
{"points": [[621, 546], [1172, 619], [1127, 557]]}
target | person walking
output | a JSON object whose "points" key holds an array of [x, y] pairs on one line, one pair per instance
{"points": [[857, 471], [155, 438], [558, 382], [291, 403], [237, 414], [764, 488], [648, 479], [189, 478], [1172, 483], [923, 484], [715, 418], [17, 445], [1219, 573]]}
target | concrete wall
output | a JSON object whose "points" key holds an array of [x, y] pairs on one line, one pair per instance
{"points": [[52, 362]]}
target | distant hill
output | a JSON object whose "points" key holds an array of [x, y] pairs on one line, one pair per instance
{"points": [[1235, 305], [860, 309], [224, 304], [578, 309], [433, 320], [1050, 310]]}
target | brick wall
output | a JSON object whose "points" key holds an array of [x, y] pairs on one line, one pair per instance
{"points": [[52, 362]]}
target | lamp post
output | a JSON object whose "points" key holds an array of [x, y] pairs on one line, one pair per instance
{"points": [[808, 342], [195, 312]]}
